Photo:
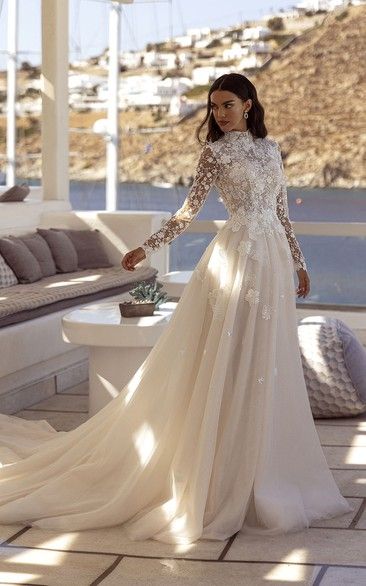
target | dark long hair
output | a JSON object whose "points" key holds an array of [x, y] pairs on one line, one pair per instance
{"points": [[239, 85]]}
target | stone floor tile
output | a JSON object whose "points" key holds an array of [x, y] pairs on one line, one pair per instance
{"points": [[7, 531], [61, 402], [351, 482], [314, 546], [344, 577], [32, 566], [352, 457], [344, 520], [341, 436], [359, 420], [59, 421], [80, 389], [114, 540], [165, 572], [362, 523]]}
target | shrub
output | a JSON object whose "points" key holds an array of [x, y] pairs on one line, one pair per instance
{"points": [[276, 23]]}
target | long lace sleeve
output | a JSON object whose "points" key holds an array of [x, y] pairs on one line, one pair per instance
{"points": [[283, 216], [206, 173]]}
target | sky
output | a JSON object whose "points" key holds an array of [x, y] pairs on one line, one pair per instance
{"points": [[142, 22]]}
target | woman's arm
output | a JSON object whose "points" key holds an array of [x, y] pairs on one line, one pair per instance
{"points": [[206, 173], [283, 216]]}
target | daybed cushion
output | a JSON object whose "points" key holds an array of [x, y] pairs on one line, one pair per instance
{"points": [[89, 248], [334, 364], [62, 249], [20, 259], [23, 302], [15, 193], [40, 249]]}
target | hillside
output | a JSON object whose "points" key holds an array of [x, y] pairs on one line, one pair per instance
{"points": [[313, 94]]}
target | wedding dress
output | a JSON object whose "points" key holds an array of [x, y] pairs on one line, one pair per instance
{"points": [[214, 433]]}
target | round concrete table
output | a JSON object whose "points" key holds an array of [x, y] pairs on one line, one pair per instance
{"points": [[117, 345]]}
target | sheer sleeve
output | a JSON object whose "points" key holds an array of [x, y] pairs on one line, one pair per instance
{"points": [[206, 173], [283, 216]]}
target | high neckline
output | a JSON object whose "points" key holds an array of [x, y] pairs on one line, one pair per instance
{"points": [[237, 133]]}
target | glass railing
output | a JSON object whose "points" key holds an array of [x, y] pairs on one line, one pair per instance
{"points": [[335, 253]]}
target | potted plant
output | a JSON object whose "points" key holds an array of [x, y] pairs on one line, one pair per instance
{"points": [[147, 298]]}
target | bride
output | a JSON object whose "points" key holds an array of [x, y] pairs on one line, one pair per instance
{"points": [[214, 432]]}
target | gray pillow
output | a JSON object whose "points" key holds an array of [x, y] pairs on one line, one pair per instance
{"points": [[15, 193], [40, 249], [20, 259], [89, 248], [62, 249], [7, 276], [334, 365]]}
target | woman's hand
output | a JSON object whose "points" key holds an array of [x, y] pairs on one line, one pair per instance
{"points": [[304, 283], [132, 258]]}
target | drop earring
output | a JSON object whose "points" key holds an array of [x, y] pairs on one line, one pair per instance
{"points": [[245, 115]]}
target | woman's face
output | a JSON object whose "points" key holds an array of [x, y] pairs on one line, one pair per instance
{"points": [[228, 110]]}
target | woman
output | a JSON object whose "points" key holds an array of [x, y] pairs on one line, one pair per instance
{"points": [[214, 433]]}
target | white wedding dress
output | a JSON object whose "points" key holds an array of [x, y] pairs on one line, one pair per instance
{"points": [[214, 432]]}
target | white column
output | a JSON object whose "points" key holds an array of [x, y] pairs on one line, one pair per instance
{"points": [[11, 92], [55, 97], [113, 123]]}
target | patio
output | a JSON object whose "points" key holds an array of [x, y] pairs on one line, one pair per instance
{"points": [[329, 553]]}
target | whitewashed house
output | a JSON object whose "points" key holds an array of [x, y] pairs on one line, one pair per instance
{"points": [[260, 47], [131, 59], [183, 41], [256, 32], [250, 62], [165, 61], [198, 33], [315, 5], [205, 75], [236, 51], [202, 43], [181, 106]]}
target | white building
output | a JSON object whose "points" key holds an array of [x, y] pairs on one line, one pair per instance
{"points": [[315, 5], [131, 59], [165, 61], [183, 41], [250, 62], [198, 33], [202, 43], [147, 90], [255, 32], [260, 48], [181, 106], [79, 82], [205, 75], [236, 51]]}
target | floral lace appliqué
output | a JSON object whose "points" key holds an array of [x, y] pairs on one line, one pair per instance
{"points": [[252, 296], [249, 175], [266, 312]]}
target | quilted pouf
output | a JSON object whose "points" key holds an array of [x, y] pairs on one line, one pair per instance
{"points": [[334, 364]]}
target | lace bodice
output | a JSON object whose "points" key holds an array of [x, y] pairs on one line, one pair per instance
{"points": [[249, 176]]}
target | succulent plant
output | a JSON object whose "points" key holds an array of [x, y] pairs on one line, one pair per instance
{"points": [[146, 292]]}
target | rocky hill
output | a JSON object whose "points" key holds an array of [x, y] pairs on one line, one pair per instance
{"points": [[314, 97], [313, 94]]}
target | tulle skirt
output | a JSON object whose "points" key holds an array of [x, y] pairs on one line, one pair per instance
{"points": [[212, 435]]}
